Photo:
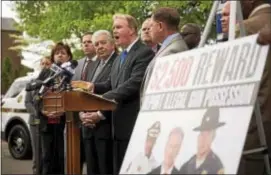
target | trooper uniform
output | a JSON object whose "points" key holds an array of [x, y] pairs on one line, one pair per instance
{"points": [[143, 164], [212, 163]]}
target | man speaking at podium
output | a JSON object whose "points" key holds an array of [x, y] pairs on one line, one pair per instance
{"points": [[124, 82]]}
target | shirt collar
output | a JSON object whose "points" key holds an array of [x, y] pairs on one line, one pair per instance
{"points": [[92, 59], [169, 39], [259, 8], [163, 170], [109, 57], [131, 45]]}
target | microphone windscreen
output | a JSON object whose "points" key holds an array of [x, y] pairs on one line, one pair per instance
{"points": [[74, 64]]}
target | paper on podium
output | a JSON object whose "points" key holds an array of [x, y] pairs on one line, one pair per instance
{"points": [[80, 85]]}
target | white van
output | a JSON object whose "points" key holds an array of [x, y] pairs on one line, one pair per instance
{"points": [[15, 128]]}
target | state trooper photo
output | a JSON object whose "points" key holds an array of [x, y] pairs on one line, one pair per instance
{"points": [[145, 162], [205, 161]]}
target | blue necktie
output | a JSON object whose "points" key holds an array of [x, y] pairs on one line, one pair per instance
{"points": [[123, 56]]}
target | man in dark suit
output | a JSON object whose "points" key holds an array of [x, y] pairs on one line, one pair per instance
{"points": [[164, 30], [124, 82], [172, 149], [97, 140], [82, 72], [205, 161], [257, 16]]}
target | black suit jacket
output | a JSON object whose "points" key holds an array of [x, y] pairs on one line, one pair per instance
{"points": [[158, 170], [123, 86], [45, 73], [103, 128]]}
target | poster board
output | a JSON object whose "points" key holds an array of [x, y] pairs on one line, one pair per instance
{"points": [[200, 104]]}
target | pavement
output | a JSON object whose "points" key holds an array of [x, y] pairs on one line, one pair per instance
{"points": [[10, 165], [13, 166]]}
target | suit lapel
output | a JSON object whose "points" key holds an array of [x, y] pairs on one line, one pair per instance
{"points": [[105, 68], [176, 38], [127, 60], [78, 69], [91, 69]]}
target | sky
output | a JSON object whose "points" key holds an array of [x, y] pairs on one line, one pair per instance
{"points": [[29, 59], [6, 10]]}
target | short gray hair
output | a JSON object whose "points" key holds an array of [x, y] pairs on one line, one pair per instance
{"points": [[102, 32]]}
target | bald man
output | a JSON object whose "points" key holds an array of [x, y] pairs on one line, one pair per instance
{"points": [[191, 34], [225, 19], [145, 36]]}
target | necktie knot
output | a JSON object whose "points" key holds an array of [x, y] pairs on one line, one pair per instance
{"points": [[123, 56]]}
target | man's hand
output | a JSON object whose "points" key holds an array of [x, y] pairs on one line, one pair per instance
{"points": [[264, 37], [83, 85], [90, 119], [53, 114]]}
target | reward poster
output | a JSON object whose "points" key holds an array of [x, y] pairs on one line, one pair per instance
{"points": [[196, 110]]}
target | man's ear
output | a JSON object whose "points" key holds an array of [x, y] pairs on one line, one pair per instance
{"points": [[161, 26]]}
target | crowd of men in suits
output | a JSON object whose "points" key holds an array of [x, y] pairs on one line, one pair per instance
{"points": [[131, 71], [124, 76]]}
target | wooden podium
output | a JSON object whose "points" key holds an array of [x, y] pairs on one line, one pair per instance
{"points": [[69, 102]]}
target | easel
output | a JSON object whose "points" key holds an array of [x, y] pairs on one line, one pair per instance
{"points": [[235, 11]]}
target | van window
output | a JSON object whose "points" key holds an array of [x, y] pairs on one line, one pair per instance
{"points": [[15, 88]]}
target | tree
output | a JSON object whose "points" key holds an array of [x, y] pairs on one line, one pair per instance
{"points": [[57, 20], [6, 76]]}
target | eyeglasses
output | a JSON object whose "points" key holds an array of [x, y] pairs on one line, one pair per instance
{"points": [[45, 63], [185, 34]]}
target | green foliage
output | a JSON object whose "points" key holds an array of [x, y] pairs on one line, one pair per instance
{"points": [[6, 76], [9, 74], [57, 20], [77, 54]]}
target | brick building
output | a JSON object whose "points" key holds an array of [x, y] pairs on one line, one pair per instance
{"points": [[7, 28]]}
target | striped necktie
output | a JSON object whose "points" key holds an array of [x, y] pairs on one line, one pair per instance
{"points": [[85, 70]]}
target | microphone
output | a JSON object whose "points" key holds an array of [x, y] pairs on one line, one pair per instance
{"points": [[66, 70], [34, 85]]}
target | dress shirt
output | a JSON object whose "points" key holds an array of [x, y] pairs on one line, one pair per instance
{"points": [[127, 49], [131, 45], [168, 40], [101, 66], [166, 172]]}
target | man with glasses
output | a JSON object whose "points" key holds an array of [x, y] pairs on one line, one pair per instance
{"points": [[191, 35]]}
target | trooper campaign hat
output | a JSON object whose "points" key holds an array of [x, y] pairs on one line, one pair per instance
{"points": [[154, 130], [210, 120]]}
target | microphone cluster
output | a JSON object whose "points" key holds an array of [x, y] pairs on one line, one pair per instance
{"points": [[64, 71]]}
